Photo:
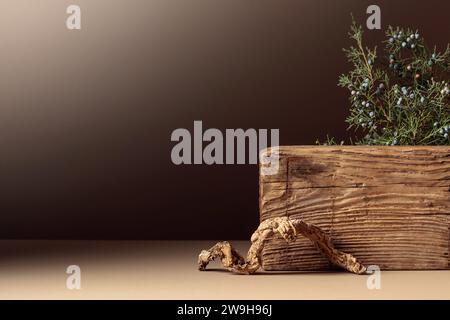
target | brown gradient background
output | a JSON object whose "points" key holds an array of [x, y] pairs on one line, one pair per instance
{"points": [[86, 116]]}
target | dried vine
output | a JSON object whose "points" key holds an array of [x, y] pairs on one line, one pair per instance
{"points": [[289, 230]]}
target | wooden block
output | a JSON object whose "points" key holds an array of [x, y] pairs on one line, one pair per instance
{"points": [[388, 206]]}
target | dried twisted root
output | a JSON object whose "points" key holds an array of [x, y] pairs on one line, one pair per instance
{"points": [[289, 230]]}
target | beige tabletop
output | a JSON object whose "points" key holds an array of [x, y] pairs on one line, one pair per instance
{"points": [[167, 270]]}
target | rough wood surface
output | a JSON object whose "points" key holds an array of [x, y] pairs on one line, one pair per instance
{"points": [[387, 206]]}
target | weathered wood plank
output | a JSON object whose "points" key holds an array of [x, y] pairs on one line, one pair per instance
{"points": [[389, 206]]}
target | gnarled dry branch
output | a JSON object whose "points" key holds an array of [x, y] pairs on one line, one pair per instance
{"points": [[289, 230]]}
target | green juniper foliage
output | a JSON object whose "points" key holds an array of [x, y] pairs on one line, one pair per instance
{"points": [[402, 98]]}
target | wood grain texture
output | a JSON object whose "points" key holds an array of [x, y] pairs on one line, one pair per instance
{"points": [[387, 206]]}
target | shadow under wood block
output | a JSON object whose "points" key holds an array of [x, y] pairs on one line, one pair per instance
{"points": [[387, 206]]}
